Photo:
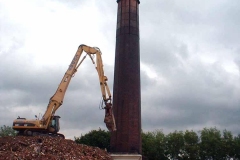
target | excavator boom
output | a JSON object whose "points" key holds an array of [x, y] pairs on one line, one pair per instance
{"points": [[49, 123]]}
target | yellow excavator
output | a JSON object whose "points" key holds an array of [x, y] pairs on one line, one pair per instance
{"points": [[49, 123]]}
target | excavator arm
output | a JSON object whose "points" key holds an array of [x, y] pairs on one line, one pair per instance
{"points": [[106, 94], [57, 99]]}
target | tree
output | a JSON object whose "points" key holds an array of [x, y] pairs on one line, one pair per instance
{"points": [[97, 138], [160, 145], [148, 139], [153, 145], [191, 145], [210, 145], [236, 147], [7, 131], [175, 145], [227, 145]]}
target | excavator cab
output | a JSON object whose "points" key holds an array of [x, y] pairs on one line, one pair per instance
{"points": [[55, 125]]}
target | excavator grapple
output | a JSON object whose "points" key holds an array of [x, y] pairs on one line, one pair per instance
{"points": [[109, 117]]}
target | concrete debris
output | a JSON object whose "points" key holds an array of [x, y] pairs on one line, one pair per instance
{"points": [[47, 148]]}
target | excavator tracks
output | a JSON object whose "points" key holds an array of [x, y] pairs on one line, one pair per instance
{"points": [[34, 133]]}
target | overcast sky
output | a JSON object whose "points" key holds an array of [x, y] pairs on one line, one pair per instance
{"points": [[189, 62]]}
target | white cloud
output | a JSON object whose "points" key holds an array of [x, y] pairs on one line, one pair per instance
{"points": [[189, 61]]}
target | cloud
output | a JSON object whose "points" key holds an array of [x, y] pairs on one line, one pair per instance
{"points": [[189, 62]]}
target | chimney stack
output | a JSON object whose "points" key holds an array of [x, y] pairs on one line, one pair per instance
{"points": [[127, 90]]}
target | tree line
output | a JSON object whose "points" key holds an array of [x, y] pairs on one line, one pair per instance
{"points": [[206, 144]]}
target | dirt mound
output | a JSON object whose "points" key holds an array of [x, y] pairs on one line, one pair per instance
{"points": [[47, 148]]}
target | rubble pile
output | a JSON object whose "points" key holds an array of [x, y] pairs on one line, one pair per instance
{"points": [[47, 148]]}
